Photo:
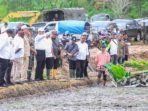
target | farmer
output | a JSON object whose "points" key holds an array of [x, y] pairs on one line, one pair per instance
{"points": [[102, 58], [56, 52], [114, 48], [121, 49], [5, 54], [40, 46], [82, 56], [71, 51]]}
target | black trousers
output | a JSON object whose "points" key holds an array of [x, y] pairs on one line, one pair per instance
{"points": [[40, 58], [3, 69], [80, 67], [8, 72], [72, 64], [49, 62], [114, 59], [85, 69], [56, 63]]}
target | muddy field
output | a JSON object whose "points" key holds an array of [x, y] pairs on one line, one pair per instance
{"points": [[95, 98], [82, 99]]}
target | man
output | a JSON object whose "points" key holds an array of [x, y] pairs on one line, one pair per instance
{"points": [[49, 57], [56, 52], [18, 57], [87, 61], [71, 51], [114, 48], [82, 56], [40, 46], [5, 54], [4, 28], [27, 41], [102, 59], [121, 49]]}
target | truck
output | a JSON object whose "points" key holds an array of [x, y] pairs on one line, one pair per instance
{"points": [[64, 14]]}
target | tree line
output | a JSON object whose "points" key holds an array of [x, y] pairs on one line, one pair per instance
{"points": [[117, 8]]}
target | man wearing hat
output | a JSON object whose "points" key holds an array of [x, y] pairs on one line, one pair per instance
{"points": [[114, 48], [27, 42], [18, 57], [102, 58], [71, 51], [40, 46], [6, 54], [82, 56]]}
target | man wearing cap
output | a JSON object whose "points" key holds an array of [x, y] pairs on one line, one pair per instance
{"points": [[71, 51], [27, 41], [81, 56], [5, 54], [40, 46], [18, 57], [102, 58], [114, 48]]}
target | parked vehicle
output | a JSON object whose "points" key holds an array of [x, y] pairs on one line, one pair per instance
{"points": [[130, 26], [101, 17], [14, 25], [64, 14], [98, 26], [72, 26]]}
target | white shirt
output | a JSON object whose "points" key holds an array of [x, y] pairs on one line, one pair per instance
{"points": [[3, 29], [18, 44], [114, 47], [40, 41], [6, 47], [83, 51], [48, 47]]}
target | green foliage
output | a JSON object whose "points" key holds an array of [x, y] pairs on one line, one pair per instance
{"points": [[139, 8], [137, 64], [118, 72]]}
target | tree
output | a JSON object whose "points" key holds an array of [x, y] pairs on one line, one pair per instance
{"points": [[120, 7]]}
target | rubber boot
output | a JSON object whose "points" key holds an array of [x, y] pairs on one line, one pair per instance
{"points": [[52, 73], [29, 75], [74, 73], [48, 74], [71, 73], [55, 73]]}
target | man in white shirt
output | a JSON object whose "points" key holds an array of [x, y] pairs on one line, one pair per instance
{"points": [[18, 57], [40, 46], [4, 28], [5, 54], [81, 57], [49, 57], [114, 48]]}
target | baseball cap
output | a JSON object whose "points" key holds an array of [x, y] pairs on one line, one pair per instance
{"points": [[24, 27], [40, 30], [10, 31], [84, 34]]}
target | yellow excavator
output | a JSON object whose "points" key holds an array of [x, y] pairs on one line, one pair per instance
{"points": [[34, 15]]}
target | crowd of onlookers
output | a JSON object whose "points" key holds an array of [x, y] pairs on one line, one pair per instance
{"points": [[19, 50]]}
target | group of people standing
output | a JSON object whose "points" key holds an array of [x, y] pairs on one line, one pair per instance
{"points": [[17, 53], [114, 49]]}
